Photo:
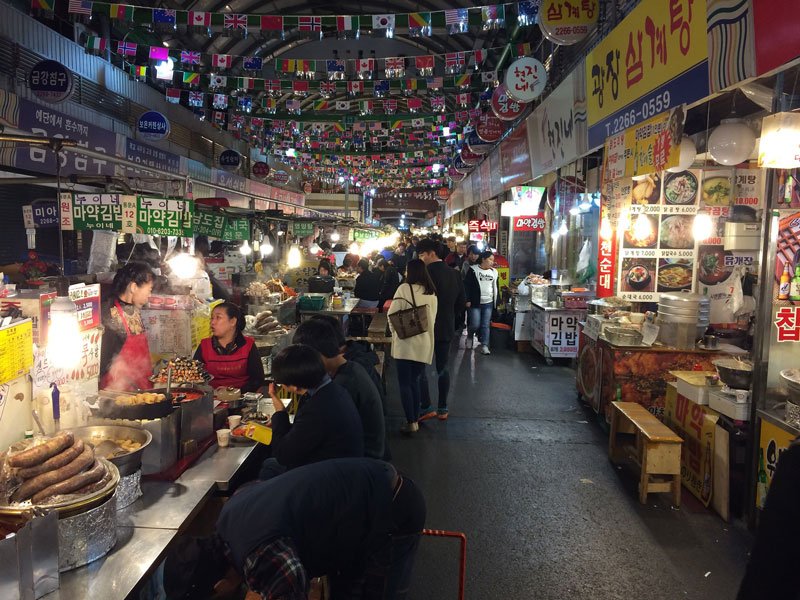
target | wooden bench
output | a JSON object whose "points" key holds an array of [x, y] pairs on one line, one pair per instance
{"points": [[639, 436]]}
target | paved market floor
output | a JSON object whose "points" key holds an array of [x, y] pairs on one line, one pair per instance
{"points": [[522, 469]]}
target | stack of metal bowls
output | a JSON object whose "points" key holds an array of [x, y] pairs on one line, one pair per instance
{"points": [[684, 318]]}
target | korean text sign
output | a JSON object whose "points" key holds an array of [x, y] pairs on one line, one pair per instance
{"points": [[656, 58], [160, 216], [80, 212]]}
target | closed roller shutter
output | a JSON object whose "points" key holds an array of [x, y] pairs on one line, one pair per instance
{"points": [[13, 241]]}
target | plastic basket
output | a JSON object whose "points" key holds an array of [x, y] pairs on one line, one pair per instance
{"points": [[311, 302]]}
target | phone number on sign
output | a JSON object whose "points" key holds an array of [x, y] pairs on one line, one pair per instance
{"points": [[648, 108]]}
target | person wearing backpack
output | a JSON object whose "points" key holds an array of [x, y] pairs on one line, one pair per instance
{"points": [[412, 352]]}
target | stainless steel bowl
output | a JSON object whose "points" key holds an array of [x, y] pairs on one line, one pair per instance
{"points": [[622, 336], [127, 463]]}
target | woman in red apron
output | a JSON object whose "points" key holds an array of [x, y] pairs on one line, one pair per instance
{"points": [[231, 357], [125, 363]]}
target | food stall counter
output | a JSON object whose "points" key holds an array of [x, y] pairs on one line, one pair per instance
{"points": [[554, 330], [218, 465]]}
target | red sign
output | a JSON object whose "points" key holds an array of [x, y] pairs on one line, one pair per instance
{"points": [[516, 157], [260, 170], [455, 175], [469, 157], [532, 223], [489, 128], [787, 320], [776, 40], [476, 225], [504, 107], [606, 255]]}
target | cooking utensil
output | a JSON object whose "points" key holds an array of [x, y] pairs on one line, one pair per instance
{"points": [[38, 421], [737, 374], [128, 462], [622, 336]]}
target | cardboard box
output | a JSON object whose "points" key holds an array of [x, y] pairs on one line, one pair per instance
{"points": [[36, 306]]}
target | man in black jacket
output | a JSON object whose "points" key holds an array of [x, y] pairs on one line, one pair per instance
{"points": [[327, 424], [321, 336], [368, 285], [450, 296], [355, 520]]}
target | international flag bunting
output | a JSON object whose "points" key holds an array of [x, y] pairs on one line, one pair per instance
{"points": [[191, 78], [489, 77], [397, 124], [219, 117], [126, 48], [80, 7], [410, 84], [199, 19], [456, 16], [423, 62], [435, 83], [293, 105], [42, 5], [321, 105], [421, 20], [462, 80], [522, 50], [246, 83], [219, 101], [300, 87], [381, 87], [221, 61], [235, 22], [252, 63], [415, 104], [327, 87], [454, 59], [342, 105], [463, 98], [335, 66], [173, 95], [347, 23], [395, 63], [493, 13], [338, 126], [158, 53], [390, 105], [121, 12], [139, 71], [95, 43], [305, 23], [355, 87], [164, 15], [383, 21], [218, 81], [272, 23], [189, 57], [365, 64], [479, 56]]}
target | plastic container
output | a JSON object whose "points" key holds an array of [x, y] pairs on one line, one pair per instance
{"points": [[311, 302]]}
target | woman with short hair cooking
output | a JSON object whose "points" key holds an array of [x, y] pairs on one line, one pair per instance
{"points": [[230, 356]]}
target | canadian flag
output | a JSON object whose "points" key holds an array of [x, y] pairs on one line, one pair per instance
{"points": [[199, 19], [221, 61], [365, 64]]}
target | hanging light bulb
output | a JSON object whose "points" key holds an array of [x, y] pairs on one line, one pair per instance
{"points": [[335, 236], [703, 226], [732, 142], [642, 227], [63, 334], [688, 154], [575, 210], [183, 265], [314, 249], [246, 250], [563, 229], [355, 249], [295, 257], [266, 249], [606, 231]]}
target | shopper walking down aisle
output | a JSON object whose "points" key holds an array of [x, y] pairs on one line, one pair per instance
{"points": [[450, 300], [411, 354], [481, 291]]}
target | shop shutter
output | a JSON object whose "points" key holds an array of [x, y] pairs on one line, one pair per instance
{"points": [[13, 241]]}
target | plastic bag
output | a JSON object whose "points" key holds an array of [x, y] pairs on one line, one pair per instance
{"points": [[585, 269], [736, 301]]}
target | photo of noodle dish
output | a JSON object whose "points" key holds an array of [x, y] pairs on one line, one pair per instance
{"points": [[680, 188], [674, 274], [676, 232]]}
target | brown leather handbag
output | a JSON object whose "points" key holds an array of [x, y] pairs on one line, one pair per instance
{"points": [[410, 321]]}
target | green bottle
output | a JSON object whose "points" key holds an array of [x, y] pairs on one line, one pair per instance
{"points": [[794, 286]]}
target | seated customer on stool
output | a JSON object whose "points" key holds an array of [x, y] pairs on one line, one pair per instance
{"points": [[327, 424], [322, 336], [230, 356], [355, 520], [368, 285]]}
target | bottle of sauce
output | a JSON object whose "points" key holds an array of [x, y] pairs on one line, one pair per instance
{"points": [[783, 288]]}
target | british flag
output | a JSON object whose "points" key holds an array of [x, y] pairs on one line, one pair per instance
{"points": [[309, 23], [189, 57], [196, 99], [327, 87], [235, 22], [395, 63]]}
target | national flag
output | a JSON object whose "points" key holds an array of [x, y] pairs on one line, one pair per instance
{"points": [[462, 80], [454, 59], [173, 95], [437, 103], [327, 87], [423, 62], [527, 13], [495, 12], [366, 106], [397, 124], [375, 126], [395, 63], [347, 23], [126, 48], [121, 12], [164, 15], [158, 53], [218, 81], [272, 85], [246, 83], [410, 85], [338, 126], [80, 7], [419, 20], [479, 56], [489, 77], [252, 63], [415, 104], [435, 83], [383, 21], [300, 87], [189, 57], [43, 5], [456, 16], [335, 65], [219, 117], [196, 99], [219, 101], [293, 105], [139, 71], [199, 19], [365, 64], [463, 98], [342, 105], [221, 61], [235, 22], [523, 49], [272, 23], [305, 23], [321, 105], [355, 87], [390, 105], [380, 87], [96, 43], [191, 78]]}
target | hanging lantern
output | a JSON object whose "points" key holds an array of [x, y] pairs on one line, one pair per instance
{"points": [[780, 141]]}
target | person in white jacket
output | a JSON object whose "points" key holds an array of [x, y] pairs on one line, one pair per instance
{"points": [[413, 353]]}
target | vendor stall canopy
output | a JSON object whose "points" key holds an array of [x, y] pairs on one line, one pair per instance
{"points": [[360, 94]]}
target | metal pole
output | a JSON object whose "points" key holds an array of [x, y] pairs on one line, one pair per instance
{"points": [[346, 197]]}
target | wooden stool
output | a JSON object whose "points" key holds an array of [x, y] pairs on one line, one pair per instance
{"points": [[651, 446]]}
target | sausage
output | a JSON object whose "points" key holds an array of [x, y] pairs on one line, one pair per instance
{"points": [[40, 482], [38, 454], [56, 462], [72, 484]]}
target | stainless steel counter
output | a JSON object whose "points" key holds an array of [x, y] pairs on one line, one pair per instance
{"points": [[147, 527]]}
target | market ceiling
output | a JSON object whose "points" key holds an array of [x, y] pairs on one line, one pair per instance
{"points": [[381, 129]]}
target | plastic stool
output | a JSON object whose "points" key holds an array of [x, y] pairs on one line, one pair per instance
{"points": [[463, 566]]}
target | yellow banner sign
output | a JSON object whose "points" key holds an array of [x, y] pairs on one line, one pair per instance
{"points": [[659, 42], [16, 350], [649, 147], [771, 443]]}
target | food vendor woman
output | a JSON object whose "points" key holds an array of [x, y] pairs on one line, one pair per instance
{"points": [[125, 356], [231, 357]]}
